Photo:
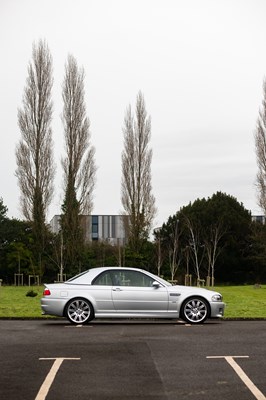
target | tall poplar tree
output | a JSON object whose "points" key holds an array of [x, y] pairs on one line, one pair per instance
{"points": [[78, 164], [136, 187], [34, 153], [260, 148]]}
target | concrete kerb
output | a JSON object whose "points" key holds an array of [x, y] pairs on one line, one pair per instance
{"points": [[51, 318]]}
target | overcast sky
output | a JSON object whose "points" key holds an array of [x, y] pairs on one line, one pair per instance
{"points": [[199, 63]]}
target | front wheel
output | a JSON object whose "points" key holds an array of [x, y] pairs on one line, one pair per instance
{"points": [[79, 311], [194, 310]]}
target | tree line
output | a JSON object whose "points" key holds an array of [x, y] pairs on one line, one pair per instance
{"points": [[210, 241]]}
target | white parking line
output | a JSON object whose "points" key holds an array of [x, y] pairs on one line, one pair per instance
{"points": [[50, 377], [254, 390], [78, 326]]}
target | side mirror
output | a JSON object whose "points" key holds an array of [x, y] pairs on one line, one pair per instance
{"points": [[155, 285]]}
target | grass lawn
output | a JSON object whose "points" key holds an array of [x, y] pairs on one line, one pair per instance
{"points": [[241, 301], [244, 301], [15, 303]]}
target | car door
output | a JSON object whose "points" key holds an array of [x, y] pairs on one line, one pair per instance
{"points": [[101, 290], [133, 292]]}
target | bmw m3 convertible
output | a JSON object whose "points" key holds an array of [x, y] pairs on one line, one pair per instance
{"points": [[115, 292]]}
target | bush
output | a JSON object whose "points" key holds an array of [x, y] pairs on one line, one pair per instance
{"points": [[31, 293]]}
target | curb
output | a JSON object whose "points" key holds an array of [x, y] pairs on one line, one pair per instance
{"points": [[51, 318]]}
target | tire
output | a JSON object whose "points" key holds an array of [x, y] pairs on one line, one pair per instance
{"points": [[195, 310], [79, 311]]}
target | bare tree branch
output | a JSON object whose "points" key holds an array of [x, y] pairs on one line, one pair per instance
{"points": [[174, 248], [211, 242], [194, 244]]}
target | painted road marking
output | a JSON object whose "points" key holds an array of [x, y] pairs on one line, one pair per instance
{"points": [[78, 326], [50, 377], [254, 390]]}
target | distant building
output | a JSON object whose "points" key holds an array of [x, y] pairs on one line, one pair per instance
{"points": [[258, 218], [108, 228]]}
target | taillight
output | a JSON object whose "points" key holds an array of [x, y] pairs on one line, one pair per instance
{"points": [[46, 292]]}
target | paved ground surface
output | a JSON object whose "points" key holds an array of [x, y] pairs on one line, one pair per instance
{"points": [[132, 360]]}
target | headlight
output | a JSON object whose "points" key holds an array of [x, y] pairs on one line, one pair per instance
{"points": [[217, 297]]}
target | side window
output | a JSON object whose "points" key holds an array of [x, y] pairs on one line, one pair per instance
{"points": [[103, 279], [144, 280], [117, 278]]}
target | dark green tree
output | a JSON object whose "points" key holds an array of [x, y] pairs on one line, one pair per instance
{"points": [[257, 252], [16, 247], [3, 211], [223, 212]]}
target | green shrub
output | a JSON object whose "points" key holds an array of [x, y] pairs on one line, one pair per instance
{"points": [[31, 293]]}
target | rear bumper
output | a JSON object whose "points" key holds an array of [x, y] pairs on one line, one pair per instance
{"points": [[52, 306]]}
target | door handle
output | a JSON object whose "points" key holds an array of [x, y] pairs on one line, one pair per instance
{"points": [[116, 289]]}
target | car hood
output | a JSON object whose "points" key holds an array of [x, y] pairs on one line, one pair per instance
{"points": [[191, 289]]}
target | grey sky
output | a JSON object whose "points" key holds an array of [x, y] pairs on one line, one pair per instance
{"points": [[199, 63]]}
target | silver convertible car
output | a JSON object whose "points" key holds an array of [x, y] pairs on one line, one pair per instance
{"points": [[115, 292]]}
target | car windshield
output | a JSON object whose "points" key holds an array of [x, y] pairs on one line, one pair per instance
{"points": [[164, 282]]}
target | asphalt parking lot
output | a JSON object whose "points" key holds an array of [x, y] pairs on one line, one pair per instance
{"points": [[53, 360]]}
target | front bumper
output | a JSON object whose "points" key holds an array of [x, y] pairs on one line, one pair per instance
{"points": [[217, 309]]}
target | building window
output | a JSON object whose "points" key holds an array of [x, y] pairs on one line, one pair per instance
{"points": [[94, 227]]}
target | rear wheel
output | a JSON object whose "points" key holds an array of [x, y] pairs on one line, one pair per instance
{"points": [[79, 311], [195, 310]]}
